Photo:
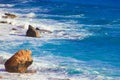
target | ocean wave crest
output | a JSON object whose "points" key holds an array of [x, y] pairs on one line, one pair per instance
{"points": [[6, 5]]}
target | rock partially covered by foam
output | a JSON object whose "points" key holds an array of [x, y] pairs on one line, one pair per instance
{"points": [[9, 15], [19, 62], [31, 32]]}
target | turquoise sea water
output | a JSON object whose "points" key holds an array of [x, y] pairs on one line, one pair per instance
{"points": [[89, 43]]}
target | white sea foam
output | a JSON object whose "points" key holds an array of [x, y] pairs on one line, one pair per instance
{"points": [[31, 15], [26, 10], [24, 1], [3, 57], [63, 16], [6, 5]]}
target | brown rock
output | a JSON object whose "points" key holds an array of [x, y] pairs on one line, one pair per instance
{"points": [[19, 62], [9, 15], [31, 32]]}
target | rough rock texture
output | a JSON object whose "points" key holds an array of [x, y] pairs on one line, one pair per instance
{"points": [[9, 15], [31, 32], [19, 62]]}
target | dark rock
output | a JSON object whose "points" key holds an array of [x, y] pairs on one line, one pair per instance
{"points": [[4, 22], [9, 15], [19, 62], [44, 30], [14, 29], [37, 29], [31, 32]]}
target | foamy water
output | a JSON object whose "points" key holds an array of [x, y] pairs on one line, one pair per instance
{"points": [[59, 30], [48, 69], [82, 43], [6, 5]]}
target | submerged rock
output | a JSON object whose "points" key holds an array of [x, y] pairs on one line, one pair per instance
{"points": [[44, 30], [31, 32], [4, 22], [19, 62], [9, 15], [14, 29]]}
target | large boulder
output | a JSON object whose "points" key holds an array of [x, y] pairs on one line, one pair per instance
{"points": [[32, 32], [19, 62]]}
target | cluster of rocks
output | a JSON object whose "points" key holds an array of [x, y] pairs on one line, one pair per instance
{"points": [[22, 59], [9, 15], [31, 32]]}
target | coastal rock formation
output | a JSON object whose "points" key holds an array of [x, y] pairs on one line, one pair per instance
{"points": [[31, 32], [19, 62], [9, 15]]}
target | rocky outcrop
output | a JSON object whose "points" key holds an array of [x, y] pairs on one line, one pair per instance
{"points": [[9, 15], [31, 32], [19, 62]]}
